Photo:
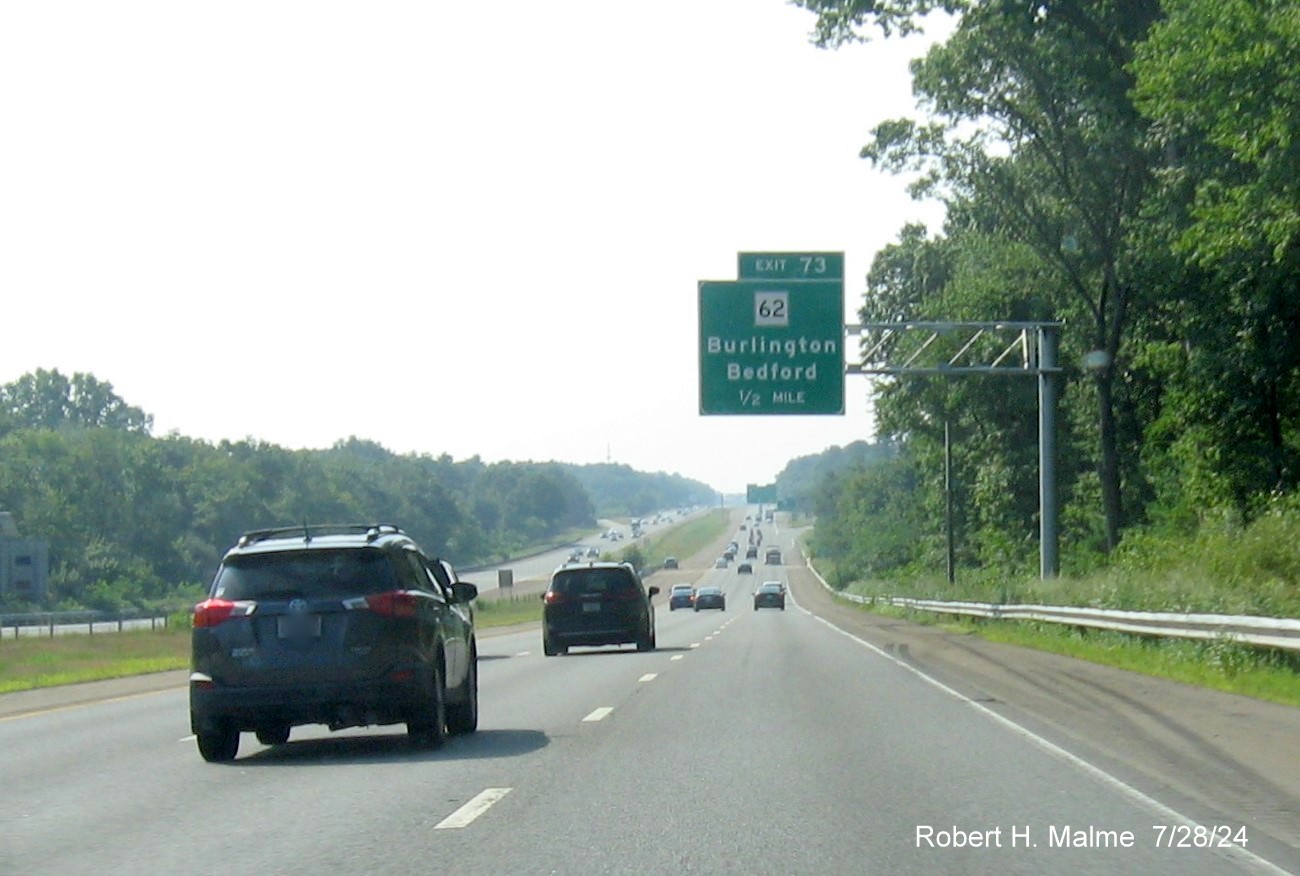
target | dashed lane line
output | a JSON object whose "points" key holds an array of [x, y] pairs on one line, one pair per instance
{"points": [[465, 815]]}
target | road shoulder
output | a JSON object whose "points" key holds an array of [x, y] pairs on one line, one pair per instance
{"points": [[1208, 753]]}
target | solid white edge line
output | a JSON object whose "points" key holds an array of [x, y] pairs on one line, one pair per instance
{"points": [[599, 714], [1103, 777], [465, 815]]}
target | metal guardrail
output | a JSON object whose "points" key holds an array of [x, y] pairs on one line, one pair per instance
{"points": [[1269, 632], [52, 623]]}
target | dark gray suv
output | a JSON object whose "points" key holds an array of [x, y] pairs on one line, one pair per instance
{"points": [[597, 604], [347, 626]]}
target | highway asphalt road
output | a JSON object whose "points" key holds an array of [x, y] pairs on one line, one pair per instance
{"points": [[749, 742]]}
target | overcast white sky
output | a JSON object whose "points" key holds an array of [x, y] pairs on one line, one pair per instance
{"points": [[464, 228]]}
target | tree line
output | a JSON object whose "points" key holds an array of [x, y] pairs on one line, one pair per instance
{"points": [[138, 520], [1129, 170]]}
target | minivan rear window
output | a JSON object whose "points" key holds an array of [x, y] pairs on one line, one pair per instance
{"points": [[305, 575], [594, 581]]}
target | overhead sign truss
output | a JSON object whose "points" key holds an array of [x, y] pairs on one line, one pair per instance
{"points": [[950, 348]]}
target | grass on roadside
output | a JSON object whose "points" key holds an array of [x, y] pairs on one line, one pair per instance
{"points": [[1261, 673], [33, 662]]}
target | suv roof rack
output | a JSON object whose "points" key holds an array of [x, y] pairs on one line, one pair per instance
{"points": [[371, 531]]}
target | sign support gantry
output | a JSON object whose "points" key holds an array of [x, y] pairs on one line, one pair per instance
{"points": [[964, 349]]}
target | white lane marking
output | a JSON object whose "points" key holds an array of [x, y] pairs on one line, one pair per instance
{"points": [[708, 638], [695, 644], [189, 738], [523, 653], [649, 676], [675, 657], [600, 714], [466, 814], [1105, 778]]}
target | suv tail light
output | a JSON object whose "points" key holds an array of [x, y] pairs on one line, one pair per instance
{"points": [[394, 603], [211, 612], [553, 597]]}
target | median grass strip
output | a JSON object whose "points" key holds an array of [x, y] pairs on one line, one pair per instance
{"points": [[506, 612], [689, 538], [30, 662]]}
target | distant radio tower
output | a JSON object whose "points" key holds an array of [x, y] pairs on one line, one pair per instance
{"points": [[608, 458]]}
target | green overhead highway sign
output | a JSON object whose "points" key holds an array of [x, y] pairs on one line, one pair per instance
{"points": [[772, 347]]}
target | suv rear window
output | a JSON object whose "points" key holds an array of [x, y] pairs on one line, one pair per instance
{"points": [[602, 581], [305, 575]]}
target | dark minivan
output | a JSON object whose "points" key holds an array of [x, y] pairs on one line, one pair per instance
{"points": [[597, 604], [347, 626]]}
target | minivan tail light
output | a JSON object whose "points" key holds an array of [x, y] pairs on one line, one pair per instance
{"points": [[393, 603], [553, 597], [212, 612]]}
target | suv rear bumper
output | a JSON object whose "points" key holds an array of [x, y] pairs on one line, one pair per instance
{"points": [[593, 637], [350, 704]]}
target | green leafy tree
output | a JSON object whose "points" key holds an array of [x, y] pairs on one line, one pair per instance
{"points": [[48, 399], [1035, 138], [1217, 81]]}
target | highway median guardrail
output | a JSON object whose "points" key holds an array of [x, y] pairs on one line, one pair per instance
{"points": [[1267, 632], [52, 623]]}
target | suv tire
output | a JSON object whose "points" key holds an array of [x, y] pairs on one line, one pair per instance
{"points": [[219, 746], [462, 716], [646, 642], [428, 729]]}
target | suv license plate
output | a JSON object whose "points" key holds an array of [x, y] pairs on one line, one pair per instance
{"points": [[591, 606], [298, 626]]}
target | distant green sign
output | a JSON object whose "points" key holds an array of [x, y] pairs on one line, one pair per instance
{"points": [[760, 495], [791, 266], [772, 347]]}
